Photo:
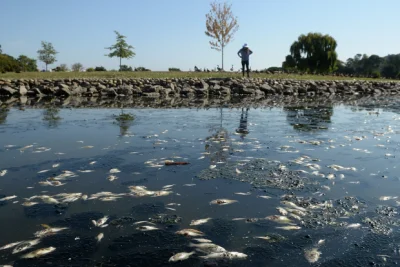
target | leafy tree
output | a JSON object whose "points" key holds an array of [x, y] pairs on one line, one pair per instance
{"points": [[125, 68], [27, 64], [47, 54], [101, 68], [289, 63], [89, 69], [121, 49], [391, 66], [141, 69], [61, 68], [8, 63], [174, 69], [77, 67], [314, 52], [221, 25]]}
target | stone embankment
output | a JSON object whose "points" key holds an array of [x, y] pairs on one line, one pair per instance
{"points": [[184, 87]]}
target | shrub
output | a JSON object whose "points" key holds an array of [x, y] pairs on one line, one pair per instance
{"points": [[77, 67], [101, 68], [89, 69], [141, 69], [174, 69], [376, 74], [125, 68]]}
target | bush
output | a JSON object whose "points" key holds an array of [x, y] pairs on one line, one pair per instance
{"points": [[174, 69], [125, 68], [89, 69], [141, 69], [61, 68], [376, 74], [101, 68], [77, 67], [273, 69], [8, 63]]}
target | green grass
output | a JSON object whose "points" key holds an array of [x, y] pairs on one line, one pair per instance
{"points": [[166, 74]]}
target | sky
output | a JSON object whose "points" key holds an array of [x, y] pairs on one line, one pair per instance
{"points": [[171, 33]]}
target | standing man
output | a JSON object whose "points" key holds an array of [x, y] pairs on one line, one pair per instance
{"points": [[244, 53]]}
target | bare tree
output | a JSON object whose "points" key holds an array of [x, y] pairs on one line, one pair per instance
{"points": [[221, 25]]}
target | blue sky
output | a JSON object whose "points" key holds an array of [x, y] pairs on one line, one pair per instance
{"points": [[170, 33]]}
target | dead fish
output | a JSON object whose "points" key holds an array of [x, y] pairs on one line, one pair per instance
{"points": [[353, 226], [200, 221], [49, 231], [92, 162], [51, 183], [202, 240], [87, 147], [223, 201], [265, 197], [43, 171], [238, 171], [99, 237], [282, 210], [225, 255], [112, 178], [29, 204], [56, 165], [278, 219], [321, 242], [168, 208], [147, 228], [142, 222], [100, 221], [181, 256], [3, 172], [173, 204], [11, 245], [291, 215], [114, 170], [85, 171], [39, 252], [312, 255], [292, 205], [190, 232], [49, 199], [289, 227], [326, 187], [24, 245], [243, 194], [239, 219], [213, 166], [166, 187], [8, 198], [386, 198], [161, 193], [25, 147], [330, 176], [189, 185], [84, 197], [106, 199], [207, 248]]}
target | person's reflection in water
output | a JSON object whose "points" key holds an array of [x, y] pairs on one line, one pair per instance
{"points": [[242, 130]]}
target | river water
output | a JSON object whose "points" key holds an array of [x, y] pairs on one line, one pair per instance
{"points": [[335, 167]]}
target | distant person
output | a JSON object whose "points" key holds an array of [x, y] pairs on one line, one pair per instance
{"points": [[244, 53]]}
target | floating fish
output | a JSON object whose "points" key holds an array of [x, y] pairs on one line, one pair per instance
{"points": [[99, 237], [278, 219], [25, 147], [142, 222], [243, 194], [173, 204], [85, 171], [100, 221], [189, 185], [3, 172], [8, 198], [114, 170], [190, 232], [225, 255], [202, 240], [87, 147], [292, 205], [39, 252], [353, 226], [84, 197], [51, 183], [213, 166], [25, 245], [265, 197], [289, 227], [49, 231], [56, 165], [312, 255], [43, 171], [11, 245], [112, 178], [207, 248], [223, 201], [147, 228], [93, 162], [166, 187], [386, 198], [282, 211], [168, 208], [29, 204], [200, 221], [181, 256]]}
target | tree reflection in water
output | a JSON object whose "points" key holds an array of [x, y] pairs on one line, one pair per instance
{"points": [[3, 115], [50, 116], [124, 121], [304, 118]]}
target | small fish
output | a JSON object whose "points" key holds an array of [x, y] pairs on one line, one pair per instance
{"points": [[265, 197], [173, 204], [189, 185], [163, 132], [56, 165], [80, 142], [11, 245], [321, 242], [289, 227], [86, 171], [112, 178], [93, 162], [29, 204], [8, 198], [3, 172], [25, 245], [312, 255], [239, 219], [99, 237], [330, 176], [292, 205], [142, 222], [326, 187], [386, 198], [282, 211], [84, 197], [200, 221], [109, 198], [207, 248], [278, 219], [147, 228], [190, 232], [225, 255], [202, 157], [59, 153], [223, 201], [353, 226], [168, 186], [114, 170], [181, 256], [161, 193], [168, 208], [25, 147], [100, 221], [43, 171], [213, 166], [243, 194], [238, 171], [202, 240], [39, 252], [87, 147], [49, 231]]}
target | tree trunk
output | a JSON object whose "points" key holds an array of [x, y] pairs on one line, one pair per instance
{"points": [[222, 50], [120, 63], [46, 67]]}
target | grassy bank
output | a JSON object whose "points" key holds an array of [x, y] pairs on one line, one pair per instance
{"points": [[116, 74]]}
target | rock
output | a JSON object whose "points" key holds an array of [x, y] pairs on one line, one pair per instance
{"points": [[63, 90], [7, 90], [22, 90]]}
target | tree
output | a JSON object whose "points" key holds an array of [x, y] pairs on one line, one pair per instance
{"points": [[27, 64], [47, 54], [221, 25], [77, 67], [125, 68], [314, 52], [121, 49], [61, 68], [391, 66], [8, 63], [1, 50]]}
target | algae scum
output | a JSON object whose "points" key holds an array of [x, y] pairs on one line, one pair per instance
{"points": [[244, 186]]}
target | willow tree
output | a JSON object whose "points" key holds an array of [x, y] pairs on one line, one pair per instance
{"points": [[121, 49], [221, 25], [314, 52]]}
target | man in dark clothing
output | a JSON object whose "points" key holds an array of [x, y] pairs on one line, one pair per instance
{"points": [[244, 53]]}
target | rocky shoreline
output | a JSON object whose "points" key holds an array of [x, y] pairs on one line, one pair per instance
{"points": [[191, 87]]}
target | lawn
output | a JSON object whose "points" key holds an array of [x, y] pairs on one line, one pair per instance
{"points": [[166, 74]]}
